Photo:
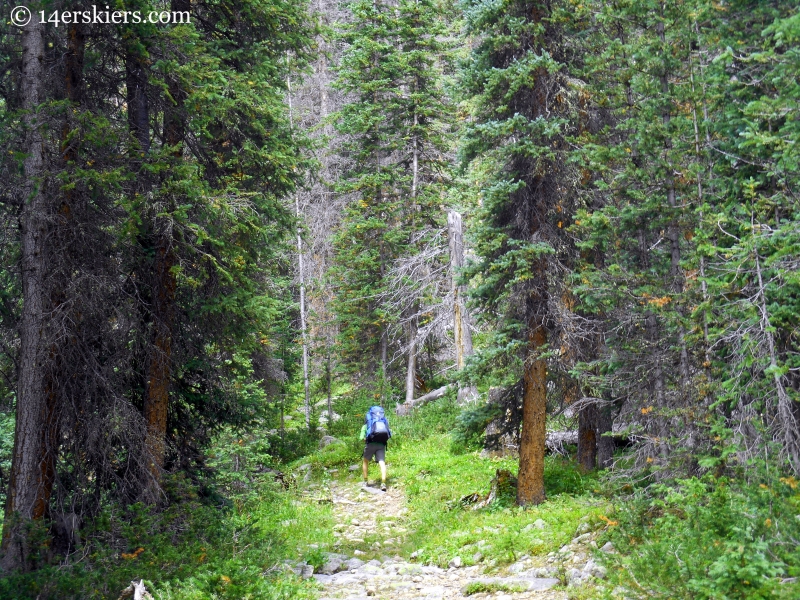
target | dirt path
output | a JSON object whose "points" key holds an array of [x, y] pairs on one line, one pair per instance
{"points": [[373, 523]]}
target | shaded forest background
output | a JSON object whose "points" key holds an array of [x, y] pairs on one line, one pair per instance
{"points": [[568, 215]]}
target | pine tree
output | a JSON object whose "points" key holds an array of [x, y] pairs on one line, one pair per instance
{"points": [[396, 126], [522, 111], [163, 229]]}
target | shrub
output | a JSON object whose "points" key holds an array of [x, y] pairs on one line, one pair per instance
{"points": [[711, 537]]}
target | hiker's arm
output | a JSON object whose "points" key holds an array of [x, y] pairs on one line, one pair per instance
{"points": [[363, 434]]}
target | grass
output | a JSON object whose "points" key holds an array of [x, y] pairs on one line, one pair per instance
{"points": [[481, 587], [710, 538], [435, 475], [197, 549]]}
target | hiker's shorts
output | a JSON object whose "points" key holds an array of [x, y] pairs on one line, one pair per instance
{"points": [[376, 450]]}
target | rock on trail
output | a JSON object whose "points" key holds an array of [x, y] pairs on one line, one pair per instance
{"points": [[371, 522]]}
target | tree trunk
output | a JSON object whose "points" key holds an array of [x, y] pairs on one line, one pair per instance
{"points": [[605, 444], [587, 438], [26, 499], [461, 330], [530, 487], [411, 372], [301, 276], [407, 407], [159, 371], [330, 399], [138, 109], [164, 283]]}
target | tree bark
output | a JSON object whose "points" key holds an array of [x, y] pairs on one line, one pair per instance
{"points": [[530, 487], [605, 444], [588, 419], [164, 284], [411, 371], [138, 109], [461, 330], [159, 371], [26, 499], [301, 276], [407, 407]]}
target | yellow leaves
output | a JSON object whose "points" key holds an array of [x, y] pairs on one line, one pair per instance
{"points": [[647, 410], [133, 555], [762, 486], [790, 481], [656, 301], [225, 579], [649, 460], [559, 224], [768, 522], [202, 558], [608, 521]]}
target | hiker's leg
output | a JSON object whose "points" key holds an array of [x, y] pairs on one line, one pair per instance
{"points": [[365, 468], [382, 465]]}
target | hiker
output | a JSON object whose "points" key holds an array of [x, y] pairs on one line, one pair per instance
{"points": [[376, 434]]}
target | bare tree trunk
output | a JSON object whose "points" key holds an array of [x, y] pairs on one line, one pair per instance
{"points": [[330, 400], [301, 275], [407, 407], [159, 368], [411, 371], [530, 487], [138, 109], [787, 426], [26, 499], [304, 332], [461, 330], [384, 356]]}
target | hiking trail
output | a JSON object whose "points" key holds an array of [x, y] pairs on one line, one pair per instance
{"points": [[371, 523]]}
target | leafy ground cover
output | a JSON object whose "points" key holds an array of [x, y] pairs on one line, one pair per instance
{"points": [[696, 538], [706, 537], [229, 544]]}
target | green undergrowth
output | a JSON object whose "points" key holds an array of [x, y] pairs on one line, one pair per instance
{"points": [[436, 473], [226, 545], [436, 479], [711, 537], [481, 587]]}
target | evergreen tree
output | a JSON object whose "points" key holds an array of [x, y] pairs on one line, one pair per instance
{"points": [[396, 129], [161, 226], [516, 82]]}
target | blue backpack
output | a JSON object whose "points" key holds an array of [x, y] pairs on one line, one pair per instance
{"points": [[377, 426]]}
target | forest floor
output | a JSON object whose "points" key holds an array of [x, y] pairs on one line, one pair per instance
{"points": [[363, 514], [370, 523]]}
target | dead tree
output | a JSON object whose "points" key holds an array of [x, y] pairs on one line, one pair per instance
{"points": [[461, 320]]}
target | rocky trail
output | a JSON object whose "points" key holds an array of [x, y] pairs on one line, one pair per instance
{"points": [[370, 529]]}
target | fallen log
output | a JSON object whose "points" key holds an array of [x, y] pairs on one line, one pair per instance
{"points": [[407, 407], [137, 590]]}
